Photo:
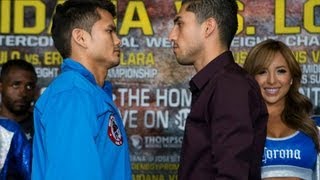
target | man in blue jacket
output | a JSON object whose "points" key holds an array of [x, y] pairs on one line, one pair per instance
{"points": [[79, 133]]}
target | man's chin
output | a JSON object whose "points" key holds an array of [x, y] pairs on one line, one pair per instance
{"points": [[115, 63], [183, 61], [21, 111]]}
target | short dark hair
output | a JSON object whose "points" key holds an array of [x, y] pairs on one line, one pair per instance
{"points": [[16, 63], [223, 11], [76, 14]]}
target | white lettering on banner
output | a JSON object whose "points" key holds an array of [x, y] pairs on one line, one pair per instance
{"points": [[249, 41], [163, 141], [130, 116], [135, 158], [314, 79], [129, 42], [311, 68], [302, 40], [139, 96], [43, 72], [173, 97], [156, 119], [297, 40], [146, 100], [304, 79], [312, 93], [270, 154], [158, 42], [26, 41], [133, 73]]}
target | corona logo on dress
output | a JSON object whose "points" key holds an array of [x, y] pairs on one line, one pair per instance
{"points": [[114, 131]]}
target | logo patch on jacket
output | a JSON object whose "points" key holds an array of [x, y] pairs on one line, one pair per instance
{"points": [[114, 131]]}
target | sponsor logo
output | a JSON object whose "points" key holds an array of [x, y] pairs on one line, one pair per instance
{"points": [[136, 141], [180, 118], [139, 142]]}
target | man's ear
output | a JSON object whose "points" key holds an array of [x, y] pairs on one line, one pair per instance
{"points": [[210, 26], [79, 37]]}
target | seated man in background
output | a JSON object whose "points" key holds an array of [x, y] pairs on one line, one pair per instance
{"points": [[18, 89]]}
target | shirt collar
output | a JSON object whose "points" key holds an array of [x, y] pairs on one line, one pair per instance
{"points": [[210, 70], [72, 65]]}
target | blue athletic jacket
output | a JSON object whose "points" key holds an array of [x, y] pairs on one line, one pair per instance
{"points": [[79, 133], [15, 151]]}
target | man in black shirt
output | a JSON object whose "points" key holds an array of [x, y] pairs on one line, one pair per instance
{"points": [[226, 129]]}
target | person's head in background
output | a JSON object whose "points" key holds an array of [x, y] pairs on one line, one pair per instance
{"points": [[278, 74], [18, 81], [203, 29], [85, 31]]}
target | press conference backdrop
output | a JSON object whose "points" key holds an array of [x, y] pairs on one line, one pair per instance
{"points": [[150, 88]]}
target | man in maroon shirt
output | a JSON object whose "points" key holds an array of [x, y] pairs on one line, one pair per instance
{"points": [[226, 129]]}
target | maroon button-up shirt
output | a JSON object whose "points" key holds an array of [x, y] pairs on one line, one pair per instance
{"points": [[226, 129]]}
